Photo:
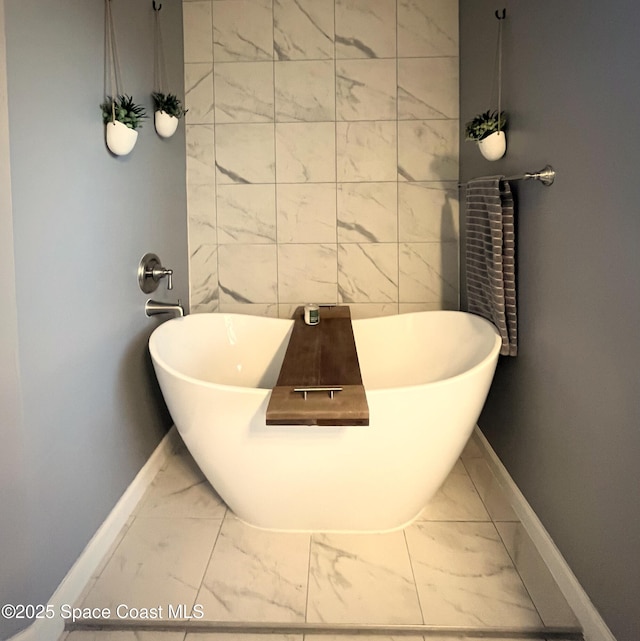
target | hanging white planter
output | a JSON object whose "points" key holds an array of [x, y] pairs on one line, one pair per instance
{"points": [[120, 138], [166, 124], [494, 146], [118, 107], [167, 106]]}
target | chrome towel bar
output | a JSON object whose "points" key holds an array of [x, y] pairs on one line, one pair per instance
{"points": [[546, 176]]}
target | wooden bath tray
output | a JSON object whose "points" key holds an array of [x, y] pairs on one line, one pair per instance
{"points": [[320, 356]]}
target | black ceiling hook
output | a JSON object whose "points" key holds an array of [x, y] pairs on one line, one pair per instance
{"points": [[160, 6], [503, 16]]}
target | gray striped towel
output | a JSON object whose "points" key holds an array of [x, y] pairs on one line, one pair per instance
{"points": [[490, 257]]}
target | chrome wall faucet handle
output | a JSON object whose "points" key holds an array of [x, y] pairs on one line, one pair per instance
{"points": [[160, 272], [151, 271]]}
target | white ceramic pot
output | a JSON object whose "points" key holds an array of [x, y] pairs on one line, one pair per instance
{"points": [[166, 125], [494, 146], [120, 138]]}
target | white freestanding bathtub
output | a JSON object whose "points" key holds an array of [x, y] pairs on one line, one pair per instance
{"points": [[426, 377]]}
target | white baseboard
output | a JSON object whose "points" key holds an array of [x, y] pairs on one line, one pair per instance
{"points": [[594, 627], [82, 570]]}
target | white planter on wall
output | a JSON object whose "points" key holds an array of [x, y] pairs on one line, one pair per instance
{"points": [[120, 138], [165, 124], [494, 146]]}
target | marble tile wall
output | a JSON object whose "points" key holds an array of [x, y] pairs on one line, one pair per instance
{"points": [[322, 154]]}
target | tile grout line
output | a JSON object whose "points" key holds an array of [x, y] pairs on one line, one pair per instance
{"points": [[306, 602], [397, 241], [476, 487], [208, 563], [413, 574], [515, 567], [335, 148], [275, 163], [216, 294]]}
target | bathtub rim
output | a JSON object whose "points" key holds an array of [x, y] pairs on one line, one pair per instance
{"points": [[190, 379], [262, 390]]}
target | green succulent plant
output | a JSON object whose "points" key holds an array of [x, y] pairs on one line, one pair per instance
{"points": [[169, 103], [124, 110], [485, 124]]}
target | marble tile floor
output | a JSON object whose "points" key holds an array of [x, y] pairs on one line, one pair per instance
{"points": [[465, 561]]}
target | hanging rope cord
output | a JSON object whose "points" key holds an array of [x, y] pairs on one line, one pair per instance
{"points": [[112, 76], [159, 68], [497, 66]]}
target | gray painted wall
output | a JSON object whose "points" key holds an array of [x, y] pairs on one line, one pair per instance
{"points": [[564, 415], [13, 523], [81, 411]]}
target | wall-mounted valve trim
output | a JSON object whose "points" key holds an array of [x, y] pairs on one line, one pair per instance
{"points": [[151, 271]]}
